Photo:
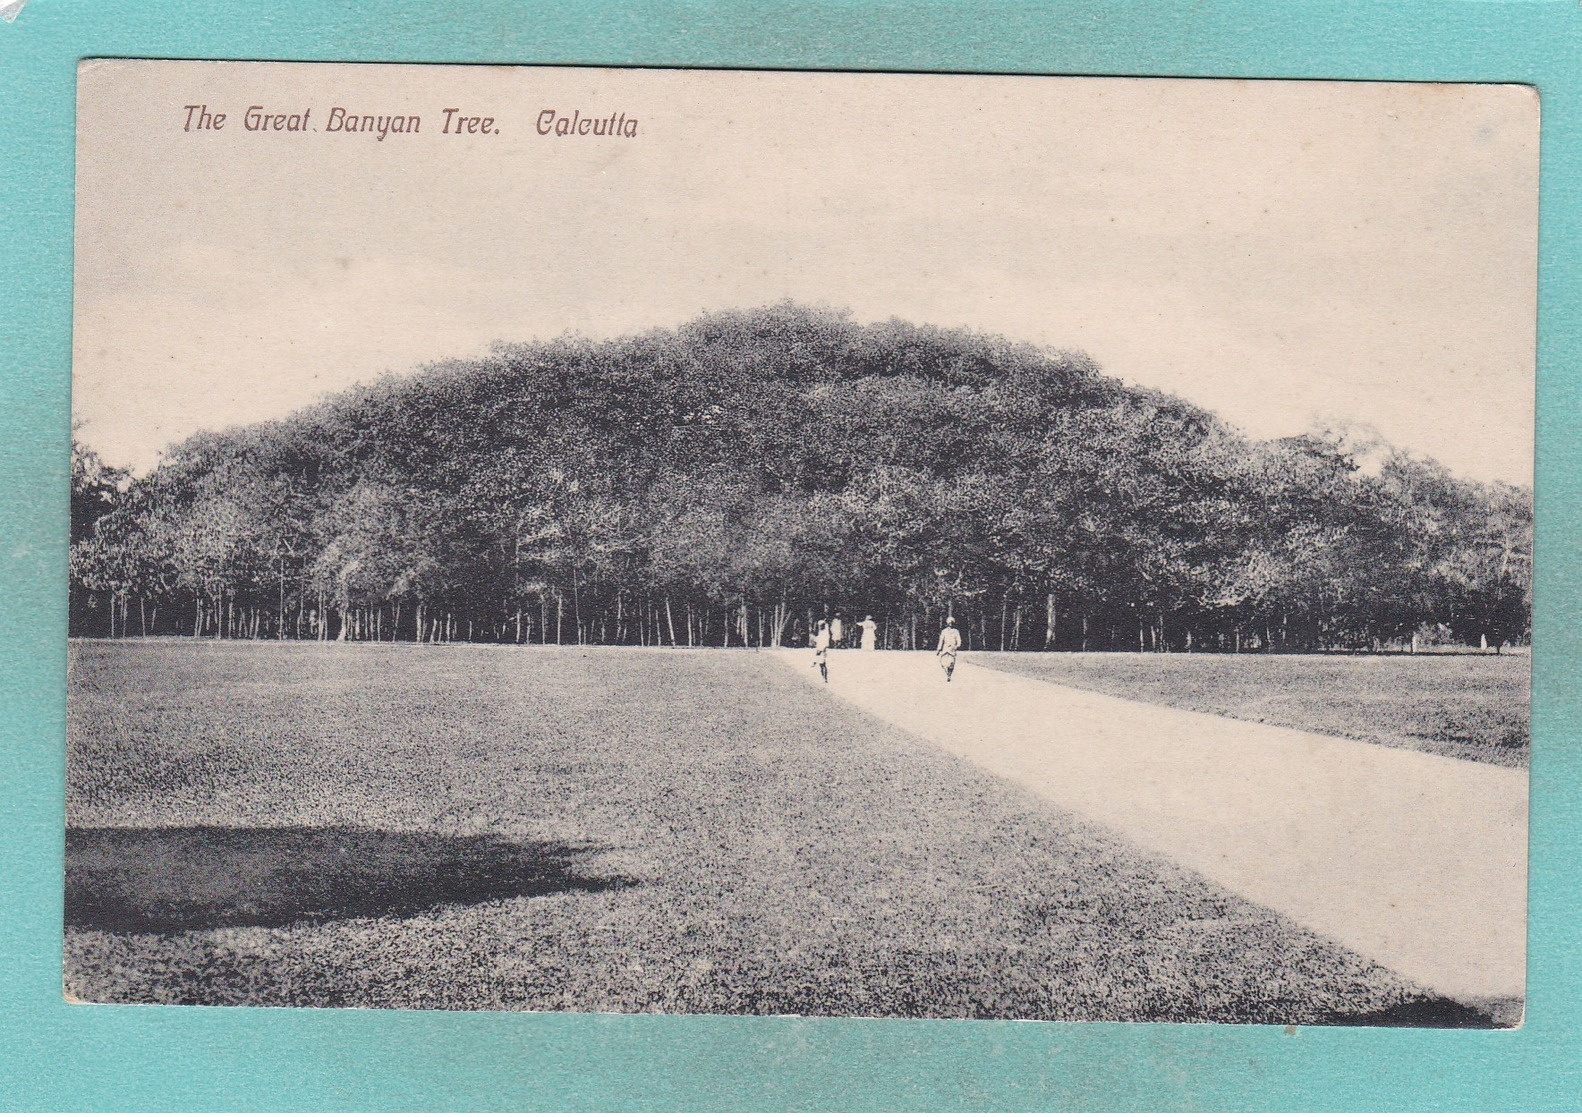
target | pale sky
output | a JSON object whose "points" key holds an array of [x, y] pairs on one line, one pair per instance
{"points": [[1278, 252]]}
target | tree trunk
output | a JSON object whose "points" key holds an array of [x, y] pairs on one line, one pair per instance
{"points": [[576, 604], [781, 619]]}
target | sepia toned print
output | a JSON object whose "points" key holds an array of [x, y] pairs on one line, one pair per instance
{"points": [[870, 545]]}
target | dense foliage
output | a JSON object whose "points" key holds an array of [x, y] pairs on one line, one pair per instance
{"points": [[730, 481]]}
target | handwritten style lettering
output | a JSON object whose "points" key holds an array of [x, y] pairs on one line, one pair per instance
{"points": [[552, 123], [199, 117], [342, 120], [257, 120], [456, 124]]}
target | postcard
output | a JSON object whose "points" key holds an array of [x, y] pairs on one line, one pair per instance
{"points": [[775, 543]]}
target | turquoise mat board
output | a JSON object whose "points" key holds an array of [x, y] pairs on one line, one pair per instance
{"points": [[55, 1055]]}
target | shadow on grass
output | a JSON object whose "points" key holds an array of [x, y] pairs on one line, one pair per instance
{"points": [[1424, 1012], [203, 877]]}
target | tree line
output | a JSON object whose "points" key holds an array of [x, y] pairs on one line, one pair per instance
{"points": [[729, 482]]}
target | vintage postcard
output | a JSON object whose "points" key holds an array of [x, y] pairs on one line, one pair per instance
{"points": [[839, 544]]}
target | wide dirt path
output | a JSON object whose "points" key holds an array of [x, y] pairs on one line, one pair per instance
{"points": [[1416, 861]]}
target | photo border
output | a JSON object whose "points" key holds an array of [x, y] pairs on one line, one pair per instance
{"points": [[55, 1055]]}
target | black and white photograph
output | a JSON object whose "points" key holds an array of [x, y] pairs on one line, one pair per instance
{"points": [[830, 544]]}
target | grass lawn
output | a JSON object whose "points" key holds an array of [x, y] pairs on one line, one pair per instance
{"points": [[620, 830], [1473, 707]]}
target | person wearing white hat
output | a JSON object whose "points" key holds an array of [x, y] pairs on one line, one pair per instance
{"points": [[949, 645]]}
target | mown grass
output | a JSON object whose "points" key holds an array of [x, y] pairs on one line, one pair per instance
{"points": [[1472, 707], [617, 830]]}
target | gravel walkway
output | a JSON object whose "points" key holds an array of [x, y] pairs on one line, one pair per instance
{"points": [[1415, 861]]}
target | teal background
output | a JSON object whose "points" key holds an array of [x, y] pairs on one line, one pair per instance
{"points": [[59, 1056]]}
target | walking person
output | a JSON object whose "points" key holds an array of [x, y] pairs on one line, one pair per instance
{"points": [[870, 630], [949, 645], [821, 650], [837, 632]]}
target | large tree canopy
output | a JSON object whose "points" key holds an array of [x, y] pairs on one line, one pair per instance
{"points": [[729, 481]]}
